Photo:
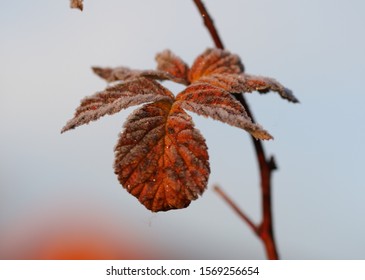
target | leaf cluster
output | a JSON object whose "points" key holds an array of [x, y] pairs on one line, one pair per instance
{"points": [[160, 157]]}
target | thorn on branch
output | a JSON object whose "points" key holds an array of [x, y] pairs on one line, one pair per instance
{"points": [[272, 163]]}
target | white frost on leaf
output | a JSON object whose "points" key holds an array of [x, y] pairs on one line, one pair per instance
{"points": [[264, 85], [216, 103], [244, 83], [228, 117], [116, 98], [125, 73], [168, 62], [125, 101]]}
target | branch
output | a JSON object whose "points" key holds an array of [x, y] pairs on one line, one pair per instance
{"points": [[239, 212], [209, 23], [265, 231]]}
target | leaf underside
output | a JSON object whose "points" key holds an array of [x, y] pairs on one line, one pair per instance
{"points": [[244, 83], [125, 73], [116, 98], [264, 85], [161, 158], [216, 103]]}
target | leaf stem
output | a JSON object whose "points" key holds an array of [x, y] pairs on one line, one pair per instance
{"points": [[265, 231]]}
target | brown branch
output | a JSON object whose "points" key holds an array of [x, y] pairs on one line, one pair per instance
{"points": [[266, 166], [209, 23], [239, 212]]}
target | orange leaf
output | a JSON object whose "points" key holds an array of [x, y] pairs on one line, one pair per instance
{"points": [[125, 73], [214, 102], [242, 83], [264, 85], [172, 64], [232, 83], [77, 4], [215, 61], [116, 98], [161, 158]]}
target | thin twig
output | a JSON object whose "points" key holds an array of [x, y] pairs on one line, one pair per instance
{"points": [[209, 23], [266, 166], [239, 212]]}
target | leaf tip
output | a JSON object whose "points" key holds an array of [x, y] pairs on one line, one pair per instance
{"points": [[261, 135], [103, 73], [66, 128], [290, 96]]}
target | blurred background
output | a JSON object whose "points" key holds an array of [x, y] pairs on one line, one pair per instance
{"points": [[59, 197]]}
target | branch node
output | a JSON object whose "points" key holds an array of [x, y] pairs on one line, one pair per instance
{"points": [[272, 163]]}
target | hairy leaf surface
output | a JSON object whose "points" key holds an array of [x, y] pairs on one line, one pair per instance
{"points": [[116, 98], [234, 83], [125, 73], [161, 158], [264, 85], [168, 62], [215, 61], [214, 102]]}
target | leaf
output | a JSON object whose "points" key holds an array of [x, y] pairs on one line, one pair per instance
{"points": [[161, 158], [77, 4], [172, 64], [215, 61], [264, 85], [210, 101], [234, 83], [116, 98], [125, 73]]}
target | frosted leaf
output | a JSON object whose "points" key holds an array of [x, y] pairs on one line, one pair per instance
{"points": [[160, 157], [234, 83], [116, 98], [172, 64], [215, 61], [77, 4], [125, 73], [264, 85], [216, 103]]}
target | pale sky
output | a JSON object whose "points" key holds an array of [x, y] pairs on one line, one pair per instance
{"points": [[50, 181]]}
